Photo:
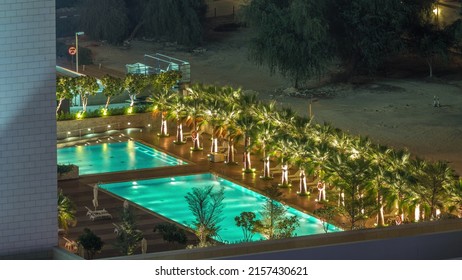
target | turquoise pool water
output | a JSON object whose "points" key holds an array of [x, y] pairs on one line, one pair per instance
{"points": [[113, 157], [165, 196]]}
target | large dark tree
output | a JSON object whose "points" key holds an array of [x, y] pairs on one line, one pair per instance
{"points": [[104, 19], [174, 20], [366, 31], [291, 37]]}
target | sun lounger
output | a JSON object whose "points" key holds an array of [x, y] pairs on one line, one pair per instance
{"points": [[98, 214], [187, 135], [117, 228], [295, 176], [276, 168]]}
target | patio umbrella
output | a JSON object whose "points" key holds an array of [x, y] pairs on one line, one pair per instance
{"points": [[144, 246], [95, 196]]}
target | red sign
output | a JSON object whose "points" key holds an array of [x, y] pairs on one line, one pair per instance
{"points": [[72, 50]]}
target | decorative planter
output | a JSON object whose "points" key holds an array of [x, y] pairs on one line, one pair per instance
{"points": [[70, 175]]}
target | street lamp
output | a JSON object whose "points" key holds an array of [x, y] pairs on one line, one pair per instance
{"points": [[77, 50], [436, 11]]}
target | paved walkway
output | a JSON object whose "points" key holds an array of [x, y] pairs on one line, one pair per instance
{"points": [[80, 191]]}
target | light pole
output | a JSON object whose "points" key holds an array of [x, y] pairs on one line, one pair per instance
{"points": [[436, 11], [77, 50]]}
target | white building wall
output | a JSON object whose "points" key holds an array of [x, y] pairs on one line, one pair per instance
{"points": [[28, 187]]}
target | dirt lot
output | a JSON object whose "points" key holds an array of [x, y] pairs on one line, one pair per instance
{"points": [[397, 111]]}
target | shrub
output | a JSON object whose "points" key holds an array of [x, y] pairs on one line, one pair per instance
{"points": [[171, 233], [90, 242], [65, 116], [64, 168]]}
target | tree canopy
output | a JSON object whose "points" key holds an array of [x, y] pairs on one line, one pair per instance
{"points": [[299, 38], [291, 37], [104, 19], [118, 20]]}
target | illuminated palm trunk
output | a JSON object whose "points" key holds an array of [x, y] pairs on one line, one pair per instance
{"points": [[214, 147], [231, 150], [380, 214], [195, 137], [303, 189], [179, 132], [417, 213], [266, 168], [341, 199], [163, 125], [246, 157], [196, 142], [285, 175], [321, 190]]}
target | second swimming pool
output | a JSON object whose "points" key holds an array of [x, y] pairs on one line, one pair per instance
{"points": [[113, 157], [166, 196]]}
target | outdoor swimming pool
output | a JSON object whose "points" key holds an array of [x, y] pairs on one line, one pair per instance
{"points": [[113, 157], [165, 196]]}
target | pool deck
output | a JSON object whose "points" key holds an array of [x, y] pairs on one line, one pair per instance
{"points": [[81, 193]]}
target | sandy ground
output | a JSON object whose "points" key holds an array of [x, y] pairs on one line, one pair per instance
{"points": [[396, 112]]}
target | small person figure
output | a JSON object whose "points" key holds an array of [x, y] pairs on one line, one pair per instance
{"points": [[434, 101], [438, 102]]}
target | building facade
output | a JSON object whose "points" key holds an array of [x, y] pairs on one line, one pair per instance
{"points": [[28, 186]]}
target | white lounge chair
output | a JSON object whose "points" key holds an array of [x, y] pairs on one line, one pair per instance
{"points": [[98, 214], [276, 168], [186, 136], [295, 176], [117, 228]]}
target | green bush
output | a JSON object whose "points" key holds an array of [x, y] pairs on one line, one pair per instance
{"points": [[64, 168], [65, 116], [99, 112], [116, 111]]}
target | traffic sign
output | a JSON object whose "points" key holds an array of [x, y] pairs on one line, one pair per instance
{"points": [[72, 51]]}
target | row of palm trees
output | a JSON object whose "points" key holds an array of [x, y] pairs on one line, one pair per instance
{"points": [[360, 178], [357, 177]]}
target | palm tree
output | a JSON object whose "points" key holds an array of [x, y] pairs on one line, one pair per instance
{"points": [[266, 133], [176, 110], [284, 153], [400, 195], [379, 156], [161, 90], [161, 104], [216, 114], [434, 180], [268, 124], [299, 149], [66, 212], [246, 123], [195, 111], [319, 155], [233, 135], [353, 176]]}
